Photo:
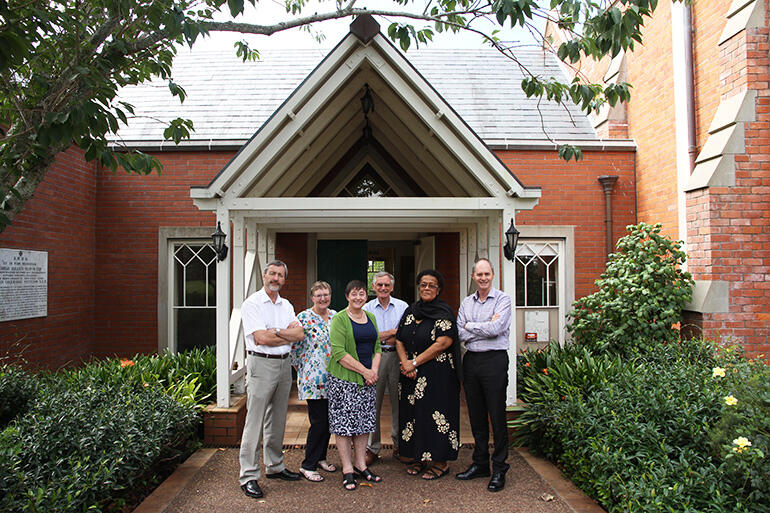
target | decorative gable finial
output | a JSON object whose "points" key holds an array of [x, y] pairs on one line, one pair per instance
{"points": [[365, 27]]}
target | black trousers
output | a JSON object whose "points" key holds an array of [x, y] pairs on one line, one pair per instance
{"points": [[318, 435], [485, 379]]}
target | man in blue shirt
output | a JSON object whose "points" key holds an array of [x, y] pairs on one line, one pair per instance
{"points": [[484, 325], [387, 310]]}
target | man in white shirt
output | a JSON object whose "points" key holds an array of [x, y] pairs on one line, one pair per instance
{"points": [[270, 327], [387, 310]]}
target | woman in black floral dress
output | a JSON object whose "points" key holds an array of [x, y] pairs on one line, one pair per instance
{"points": [[429, 389]]}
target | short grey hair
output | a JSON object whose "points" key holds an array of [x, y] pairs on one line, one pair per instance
{"points": [[382, 274], [482, 259], [278, 263]]}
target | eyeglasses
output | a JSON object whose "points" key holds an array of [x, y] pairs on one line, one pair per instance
{"points": [[319, 296], [383, 285], [424, 285]]}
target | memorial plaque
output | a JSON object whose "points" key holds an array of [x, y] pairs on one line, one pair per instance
{"points": [[23, 284], [536, 322]]}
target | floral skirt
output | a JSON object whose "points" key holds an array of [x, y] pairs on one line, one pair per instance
{"points": [[352, 407]]}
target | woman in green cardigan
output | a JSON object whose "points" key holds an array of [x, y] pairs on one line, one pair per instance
{"points": [[351, 385]]}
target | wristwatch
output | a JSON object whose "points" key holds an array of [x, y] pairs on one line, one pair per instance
{"points": [[414, 362], [278, 332]]}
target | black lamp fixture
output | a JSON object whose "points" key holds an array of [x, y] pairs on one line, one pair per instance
{"points": [[367, 105], [218, 237], [511, 238]]}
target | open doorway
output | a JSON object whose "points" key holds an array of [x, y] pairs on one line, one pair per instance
{"points": [[342, 260]]}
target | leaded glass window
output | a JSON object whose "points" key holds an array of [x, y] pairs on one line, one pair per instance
{"points": [[537, 270], [194, 294]]}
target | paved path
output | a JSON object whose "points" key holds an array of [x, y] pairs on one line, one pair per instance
{"points": [[208, 483]]}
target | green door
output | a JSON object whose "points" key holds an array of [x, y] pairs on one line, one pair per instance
{"points": [[340, 261]]}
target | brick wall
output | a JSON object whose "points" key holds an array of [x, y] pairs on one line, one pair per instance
{"points": [[729, 227], [571, 195], [651, 122], [59, 219], [292, 249], [708, 19], [129, 211], [448, 264]]}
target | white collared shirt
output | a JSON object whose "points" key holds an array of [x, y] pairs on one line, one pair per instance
{"points": [[387, 317], [260, 313]]}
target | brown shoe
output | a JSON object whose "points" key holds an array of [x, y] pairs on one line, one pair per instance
{"points": [[371, 457]]}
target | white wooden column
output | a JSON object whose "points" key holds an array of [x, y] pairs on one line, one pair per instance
{"points": [[494, 248], [473, 255], [270, 246], [239, 290], [251, 267], [463, 270], [262, 258], [223, 318], [482, 241], [508, 279]]}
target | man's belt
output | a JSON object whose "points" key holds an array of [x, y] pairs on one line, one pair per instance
{"points": [[271, 356]]}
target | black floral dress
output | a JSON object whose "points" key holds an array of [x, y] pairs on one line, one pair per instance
{"points": [[429, 406]]}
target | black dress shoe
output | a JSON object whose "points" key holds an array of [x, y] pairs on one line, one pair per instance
{"points": [[473, 472], [497, 482], [252, 489], [285, 474]]}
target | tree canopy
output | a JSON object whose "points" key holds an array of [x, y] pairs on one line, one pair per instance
{"points": [[62, 63]]}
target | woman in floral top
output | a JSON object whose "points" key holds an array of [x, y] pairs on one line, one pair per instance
{"points": [[310, 357]]}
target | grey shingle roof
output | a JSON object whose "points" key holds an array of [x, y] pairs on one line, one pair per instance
{"points": [[228, 100]]}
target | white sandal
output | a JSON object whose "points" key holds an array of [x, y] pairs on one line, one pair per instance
{"points": [[326, 466], [311, 475]]}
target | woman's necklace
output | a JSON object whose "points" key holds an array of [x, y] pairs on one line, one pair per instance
{"points": [[359, 317]]}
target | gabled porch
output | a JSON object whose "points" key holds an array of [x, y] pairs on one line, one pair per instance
{"points": [[324, 165]]}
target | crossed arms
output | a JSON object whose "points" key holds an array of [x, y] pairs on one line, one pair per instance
{"points": [[473, 330]]}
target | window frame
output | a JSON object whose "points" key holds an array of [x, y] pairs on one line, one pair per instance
{"points": [[167, 237]]}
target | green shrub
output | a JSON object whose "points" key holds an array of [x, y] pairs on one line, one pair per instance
{"points": [[745, 398], [652, 433], [189, 377], [17, 389], [84, 444], [640, 297], [95, 435]]}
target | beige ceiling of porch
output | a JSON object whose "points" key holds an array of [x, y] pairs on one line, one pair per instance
{"points": [[404, 145]]}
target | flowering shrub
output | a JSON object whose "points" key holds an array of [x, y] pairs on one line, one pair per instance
{"points": [[652, 433], [741, 437], [640, 297]]}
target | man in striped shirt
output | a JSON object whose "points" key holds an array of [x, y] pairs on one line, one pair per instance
{"points": [[484, 325]]}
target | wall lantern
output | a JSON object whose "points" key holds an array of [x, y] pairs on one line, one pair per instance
{"points": [[511, 239], [218, 237]]}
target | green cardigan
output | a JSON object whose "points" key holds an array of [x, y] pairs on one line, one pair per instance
{"points": [[342, 342]]}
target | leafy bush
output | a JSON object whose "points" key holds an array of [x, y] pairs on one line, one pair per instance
{"points": [[189, 377], [97, 435], [81, 446], [741, 437], [17, 389], [640, 297], [644, 434]]}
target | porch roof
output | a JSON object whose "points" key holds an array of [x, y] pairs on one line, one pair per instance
{"points": [[228, 100], [307, 141]]}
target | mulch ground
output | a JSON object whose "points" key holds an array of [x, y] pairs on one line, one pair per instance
{"points": [[215, 488]]}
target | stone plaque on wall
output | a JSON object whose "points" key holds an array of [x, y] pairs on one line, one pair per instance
{"points": [[23, 284]]}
